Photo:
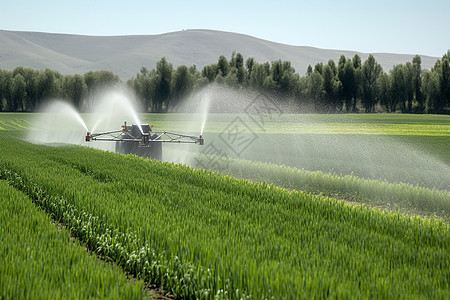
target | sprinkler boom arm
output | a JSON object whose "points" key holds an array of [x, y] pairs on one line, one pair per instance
{"points": [[148, 137], [172, 137], [141, 140]]}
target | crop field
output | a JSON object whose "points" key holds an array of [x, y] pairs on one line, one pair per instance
{"points": [[379, 124], [411, 149], [206, 235], [292, 139], [39, 259]]}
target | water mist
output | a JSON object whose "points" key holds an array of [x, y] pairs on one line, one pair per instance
{"points": [[60, 123]]}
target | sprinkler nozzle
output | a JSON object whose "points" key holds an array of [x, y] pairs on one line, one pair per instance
{"points": [[200, 140]]}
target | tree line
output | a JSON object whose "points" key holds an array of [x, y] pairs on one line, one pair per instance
{"points": [[351, 85], [24, 89]]}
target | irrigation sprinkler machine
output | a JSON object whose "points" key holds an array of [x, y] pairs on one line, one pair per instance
{"points": [[141, 140]]}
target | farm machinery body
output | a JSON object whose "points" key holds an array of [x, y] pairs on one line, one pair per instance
{"points": [[141, 140]]}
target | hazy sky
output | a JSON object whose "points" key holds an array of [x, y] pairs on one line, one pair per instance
{"points": [[397, 26]]}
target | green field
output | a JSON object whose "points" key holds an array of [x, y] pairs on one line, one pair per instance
{"points": [[203, 235], [378, 124], [410, 149], [41, 261]]}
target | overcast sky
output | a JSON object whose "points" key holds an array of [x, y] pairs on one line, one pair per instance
{"points": [[394, 26]]}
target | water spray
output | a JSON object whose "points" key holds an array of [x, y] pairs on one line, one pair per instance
{"points": [[205, 107], [139, 139]]}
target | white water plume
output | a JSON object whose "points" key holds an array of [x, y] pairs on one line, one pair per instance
{"points": [[215, 100], [58, 122], [111, 109], [197, 105], [205, 108], [261, 125]]}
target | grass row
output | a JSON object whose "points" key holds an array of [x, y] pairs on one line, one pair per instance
{"points": [[217, 236], [40, 261], [404, 159], [378, 124], [404, 197]]}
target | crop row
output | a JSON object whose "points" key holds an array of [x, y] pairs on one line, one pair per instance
{"points": [[379, 124], [218, 236], [392, 196], [39, 261], [122, 247]]}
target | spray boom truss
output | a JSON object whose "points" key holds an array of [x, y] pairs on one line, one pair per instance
{"points": [[142, 140]]}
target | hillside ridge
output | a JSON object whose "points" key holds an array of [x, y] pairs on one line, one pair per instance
{"points": [[126, 54]]}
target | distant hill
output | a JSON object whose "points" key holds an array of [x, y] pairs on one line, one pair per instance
{"points": [[125, 55]]}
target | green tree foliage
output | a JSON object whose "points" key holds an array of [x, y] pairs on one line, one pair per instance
{"points": [[318, 68], [258, 75], [3, 77], [384, 87], [282, 76], [444, 82], [333, 67], [357, 62], [30, 77], [357, 65], [316, 91], [351, 85], [18, 92], [417, 83], [370, 72], [210, 72], [223, 67], [329, 87], [182, 84], [48, 85], [249, 63], [198, 80], [100, 79], [143, 86], [409, 87], [237, 67], [163, 84], [430, 90], [347, 77], [398, 87], [74, 88]]}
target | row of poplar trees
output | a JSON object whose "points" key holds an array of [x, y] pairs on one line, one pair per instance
{"points": [[351, 85]]}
